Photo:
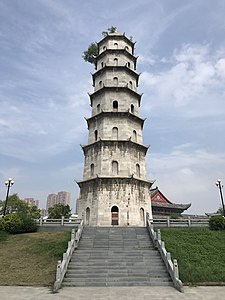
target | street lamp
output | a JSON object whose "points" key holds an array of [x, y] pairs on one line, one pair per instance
{"points": [[219, 185], [8, 183]]}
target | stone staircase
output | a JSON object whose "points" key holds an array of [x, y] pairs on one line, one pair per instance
{"points": [[116, 256]]}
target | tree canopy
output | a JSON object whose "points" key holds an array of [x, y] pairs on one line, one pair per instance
{"points": [[91, 53], [16, 205], [58, 211]]}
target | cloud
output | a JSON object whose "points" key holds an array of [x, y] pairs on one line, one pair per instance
{"points": [[192, 84], [187, 175]]}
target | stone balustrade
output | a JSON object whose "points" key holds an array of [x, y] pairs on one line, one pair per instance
{"points": [[62, 265], [172, 266]]}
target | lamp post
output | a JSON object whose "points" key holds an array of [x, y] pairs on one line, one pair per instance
{"points": [[219, 185], [8, 183]]}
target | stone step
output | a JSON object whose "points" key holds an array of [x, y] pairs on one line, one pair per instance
{"points": [[108, 274], [119, 256]]}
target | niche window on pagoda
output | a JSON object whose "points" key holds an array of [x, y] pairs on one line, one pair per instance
{"points": [[92, 170], [98, 108], [115, 105], [116, 45], [100, 84], [104, 48], [102, 64], [96, 135], [115, 167], [132, 108], [130, 84], [138, 170], [134, 136], [115, 81], [115, 133], [128, 64], [115, 61]]}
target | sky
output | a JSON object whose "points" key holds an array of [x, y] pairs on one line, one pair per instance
{"points": [[44, 85]]}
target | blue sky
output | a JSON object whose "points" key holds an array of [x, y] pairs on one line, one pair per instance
{"points": [[44, 84]]}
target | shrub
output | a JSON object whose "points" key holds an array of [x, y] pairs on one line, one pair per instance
{"points": [[217, 223], [1, 226], [18, 223]]}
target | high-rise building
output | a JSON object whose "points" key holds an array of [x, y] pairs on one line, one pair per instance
{"points": [[63, 198], [51, 200], [60, 198], [31, 201], [115, 188]]}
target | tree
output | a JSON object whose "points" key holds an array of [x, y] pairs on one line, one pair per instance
{"points": [[16, 205], [220, 211], [58, 211], [91, 53]]}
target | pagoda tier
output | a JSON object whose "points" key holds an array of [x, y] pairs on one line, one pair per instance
{"points": [[117, 52], [115, 99]]}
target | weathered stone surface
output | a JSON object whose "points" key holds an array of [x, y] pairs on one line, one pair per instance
{"points": [[115, 189]]}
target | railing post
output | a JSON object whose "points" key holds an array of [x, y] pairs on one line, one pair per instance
{"points": [[62, 220], [168, 255], [189, 221], [175, 269], [58, 270], [168, 221], [41, 221], [159, 235], [73, 234]]}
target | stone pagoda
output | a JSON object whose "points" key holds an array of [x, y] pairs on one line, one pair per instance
{"points": [[115, 189]]}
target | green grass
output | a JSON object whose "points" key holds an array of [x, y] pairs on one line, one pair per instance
{"points": [[3, 236], [200, 253], [31, 258]]}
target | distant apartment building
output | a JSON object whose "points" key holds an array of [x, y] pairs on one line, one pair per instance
{"points": [[51, 200], [31, 201], [60, 198]]}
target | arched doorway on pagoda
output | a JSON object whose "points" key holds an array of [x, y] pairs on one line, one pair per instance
{"points": [[115, 215], [142, 216], [87, 215]]}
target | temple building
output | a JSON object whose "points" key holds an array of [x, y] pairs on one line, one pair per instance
{"points": [[161, 206], [115, 189]]}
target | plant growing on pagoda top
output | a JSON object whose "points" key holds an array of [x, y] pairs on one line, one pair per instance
{"points": [[111, 29], [90, 54]]}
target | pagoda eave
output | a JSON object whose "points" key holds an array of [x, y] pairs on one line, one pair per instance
{"points": [[129, 144], [114, 180], [121, 114]]}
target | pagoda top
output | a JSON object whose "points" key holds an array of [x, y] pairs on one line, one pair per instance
{"points": [[116, 34]]}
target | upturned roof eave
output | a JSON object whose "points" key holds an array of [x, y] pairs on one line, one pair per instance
{"points": [[96, 143], [114, 113], [130, 178]]}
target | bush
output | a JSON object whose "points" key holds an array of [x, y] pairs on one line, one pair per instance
{"points": [[217, 223], [17, 223], [1, 226]]}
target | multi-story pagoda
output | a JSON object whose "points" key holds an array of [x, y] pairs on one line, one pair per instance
{"points": [[115, 189]]}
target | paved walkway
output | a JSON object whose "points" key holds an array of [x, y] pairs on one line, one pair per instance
{"points": [[112, 293]]}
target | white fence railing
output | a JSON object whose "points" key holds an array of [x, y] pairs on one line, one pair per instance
{"points": [[58, 222], [181, 222], [172, 266], [63, 265]]}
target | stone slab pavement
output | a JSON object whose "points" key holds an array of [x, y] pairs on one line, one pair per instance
{"points": [[112, 293]]}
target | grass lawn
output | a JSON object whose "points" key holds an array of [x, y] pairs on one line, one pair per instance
{"points": [[31, 258], [200, 253]]}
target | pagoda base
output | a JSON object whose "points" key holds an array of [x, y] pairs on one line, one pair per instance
{"points": [[114, 201]]}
